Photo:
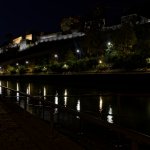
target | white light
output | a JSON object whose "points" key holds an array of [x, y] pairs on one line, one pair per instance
{"points": [[27, 62], [17, 87], [56, 102], [110, 111], [44, 92], [28, 89], [110, 117], [78, 51], [56, 56], [109, 43], [100, 104], [65, 97], [78, 108], [44, 68], [65, 66], [56, 98], [17, 94], [23, 45], [65, 93], [17, 64], [78, 105], [100, 61]]}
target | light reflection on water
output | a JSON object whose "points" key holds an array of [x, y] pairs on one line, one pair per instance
{"points": [[0, 87], [56, 102], [17, 94], [8, 91], [100, 104], [105, 107], [65, 97], [44, 92], [110, 115], [78, 105], [28, 91], [7, 85]]}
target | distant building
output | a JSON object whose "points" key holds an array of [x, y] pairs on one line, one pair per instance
{"points": [[94, 24], [58, 36], [26, 41], [132, 19], [29, 40], [23, 42], [17, 40]]}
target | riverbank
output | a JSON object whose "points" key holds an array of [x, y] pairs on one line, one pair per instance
{"points": [[19, 130]]}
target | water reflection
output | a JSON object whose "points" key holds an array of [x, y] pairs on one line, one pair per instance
{"points": [[8, 91], [109, 116], [28, 89], [44, 92], [17, 94], [56, 102], [78, 106], [100, 104], [65, 97], [107, 106], [0, 87], [7, 85]]}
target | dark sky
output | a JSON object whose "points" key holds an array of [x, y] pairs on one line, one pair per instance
{"points": [[18, 16]]}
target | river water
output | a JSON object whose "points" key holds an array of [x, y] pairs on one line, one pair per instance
{"points": [[130, 109]]}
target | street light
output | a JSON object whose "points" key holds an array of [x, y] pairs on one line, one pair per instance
{"points": [[100, 62], [27, 62], [78, 53], [109, 44], [56, 56]]}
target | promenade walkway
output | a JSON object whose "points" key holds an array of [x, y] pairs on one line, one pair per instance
{"points": [[21, 131]]}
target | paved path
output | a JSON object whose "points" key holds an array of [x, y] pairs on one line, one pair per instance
{"points": [[21, 131]]}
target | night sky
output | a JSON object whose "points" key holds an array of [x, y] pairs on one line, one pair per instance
{"points": [[18, 16]]}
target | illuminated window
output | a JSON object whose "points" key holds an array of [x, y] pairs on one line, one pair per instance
{"points": [[29, 37], [17, 40]]}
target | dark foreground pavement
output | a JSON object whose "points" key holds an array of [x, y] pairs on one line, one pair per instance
{"points": [[21, 131]]}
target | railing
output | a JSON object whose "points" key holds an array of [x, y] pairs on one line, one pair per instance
{"points": [[88, 130]]}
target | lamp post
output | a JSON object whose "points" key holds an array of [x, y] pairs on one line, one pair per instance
{"points": [[26, 62], [56, 56], [109, 45], [78, 53]]}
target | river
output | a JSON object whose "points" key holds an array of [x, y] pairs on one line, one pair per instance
{"points": [[130, 109]]}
